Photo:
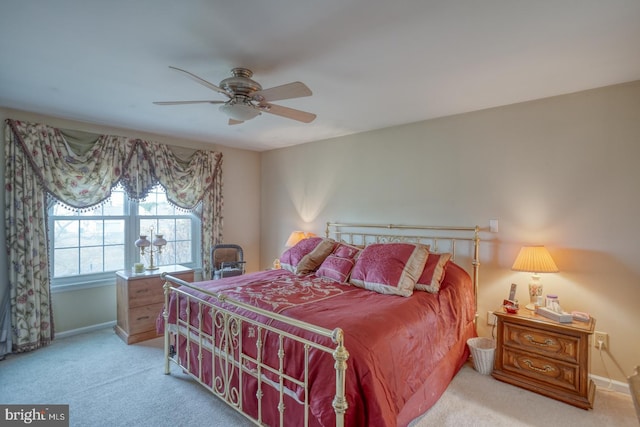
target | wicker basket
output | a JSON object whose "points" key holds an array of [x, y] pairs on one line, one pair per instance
{"points": [[482, 353]]}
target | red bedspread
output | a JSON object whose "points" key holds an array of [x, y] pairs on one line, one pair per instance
{"points": [[395, 343]]}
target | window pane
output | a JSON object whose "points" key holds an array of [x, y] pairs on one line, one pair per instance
{"points": [[166, 227], [65, 233], [114, 232], [183, 229], [149, 205], [113, 257], [115, 206], [167, 256], [96, 211], [91, 260], [183, 252], [164, 207], [60, 210], [145, 226], [91, 232], [66, 262]]}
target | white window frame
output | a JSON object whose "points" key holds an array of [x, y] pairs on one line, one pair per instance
{"points": [[132, 254]]}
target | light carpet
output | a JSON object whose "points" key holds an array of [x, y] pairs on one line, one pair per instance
{"points": [[108, 383]]}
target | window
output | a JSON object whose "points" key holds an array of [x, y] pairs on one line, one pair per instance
{"points": [[88, 246], [175, 226]]}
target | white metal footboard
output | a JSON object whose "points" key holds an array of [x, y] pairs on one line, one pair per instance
{"points": [[231, 365]]}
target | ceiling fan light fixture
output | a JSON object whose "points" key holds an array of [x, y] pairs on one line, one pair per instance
{"points": [[239, 111]]}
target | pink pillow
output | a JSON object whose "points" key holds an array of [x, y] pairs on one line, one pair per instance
{"points": [[433, 272], [291, 257], [390, 268], [339, 264]]}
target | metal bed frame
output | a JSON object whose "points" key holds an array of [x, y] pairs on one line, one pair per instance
{"points": [[231, 366]]}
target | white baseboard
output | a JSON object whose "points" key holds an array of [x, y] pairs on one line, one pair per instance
{"points": [[613, 385], [85, 329]]}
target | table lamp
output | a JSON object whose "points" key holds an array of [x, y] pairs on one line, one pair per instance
{"points": [[296, 236], [534, 259], [156, 246]]}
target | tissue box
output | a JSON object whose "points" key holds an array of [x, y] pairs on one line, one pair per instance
{"points": [[558, 317]]}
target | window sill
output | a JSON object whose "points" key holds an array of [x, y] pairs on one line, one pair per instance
{"points": [[71, 287], [97, 283]]}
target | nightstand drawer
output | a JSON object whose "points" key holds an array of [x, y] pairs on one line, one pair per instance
{"points": [[150, 290], [145, 291], [548, 371], [545, 343], [143, 318]]}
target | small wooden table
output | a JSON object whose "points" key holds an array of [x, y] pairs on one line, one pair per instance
{"points": [[140, 298], [545, 356]]}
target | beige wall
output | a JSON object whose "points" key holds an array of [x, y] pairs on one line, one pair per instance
{"points": [[561, 171], [241, 170]]}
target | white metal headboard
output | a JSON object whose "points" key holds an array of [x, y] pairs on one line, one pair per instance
{"points": [[439, 238]]}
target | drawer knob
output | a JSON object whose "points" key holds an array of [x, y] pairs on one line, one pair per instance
{"points": [[530, 365], [142, 318], [546, 343]]}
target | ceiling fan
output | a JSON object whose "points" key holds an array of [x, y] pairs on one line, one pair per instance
{"points": [[247, 99]]}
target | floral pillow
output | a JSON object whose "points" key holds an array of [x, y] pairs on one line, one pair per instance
{"points": [[390, 268], [339, 264], [291, 257], [431, 277]]}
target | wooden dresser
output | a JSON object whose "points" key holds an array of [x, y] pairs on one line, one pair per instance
{"points": [[545, 356], [140, 298]]}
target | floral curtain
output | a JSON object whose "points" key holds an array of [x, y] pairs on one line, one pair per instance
{"points": [[42, 160]]}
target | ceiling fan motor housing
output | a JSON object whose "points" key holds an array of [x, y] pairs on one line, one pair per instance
{"points": [[241, 82]]}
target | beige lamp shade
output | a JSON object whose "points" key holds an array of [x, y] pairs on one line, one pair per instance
{"points": [[296, 236], [535, 259]]}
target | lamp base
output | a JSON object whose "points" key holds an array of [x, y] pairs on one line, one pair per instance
{"points": [[535, 292]]}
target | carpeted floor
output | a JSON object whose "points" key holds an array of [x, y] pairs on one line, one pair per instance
{"points": [[107, 383]]}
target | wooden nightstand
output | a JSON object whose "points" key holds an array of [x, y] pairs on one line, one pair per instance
{"points": [[545, 356], [140, 298]]}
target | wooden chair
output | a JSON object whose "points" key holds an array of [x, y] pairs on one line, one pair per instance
{"points": [[227, 260]]}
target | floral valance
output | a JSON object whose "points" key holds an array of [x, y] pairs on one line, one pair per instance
{"points": [[81, 171]]}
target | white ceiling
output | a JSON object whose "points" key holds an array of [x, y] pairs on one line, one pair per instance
{"points": [[370, 63]]}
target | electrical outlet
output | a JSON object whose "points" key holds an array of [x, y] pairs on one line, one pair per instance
{"points": [[491, 318], [601, 337]]}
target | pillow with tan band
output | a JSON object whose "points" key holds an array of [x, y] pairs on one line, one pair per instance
{"points": [[390, 268], [431, 277]]}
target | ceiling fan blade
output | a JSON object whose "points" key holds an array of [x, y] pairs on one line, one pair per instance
{"points": [[289, 113], [186, 102], [288, 91], [202, 81], [235, 122]]}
